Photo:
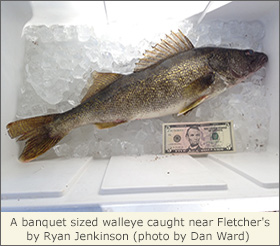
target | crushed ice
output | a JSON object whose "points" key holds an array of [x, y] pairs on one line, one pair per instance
{"points": [[59, 60]]}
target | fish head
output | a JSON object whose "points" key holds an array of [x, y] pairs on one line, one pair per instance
{"points": [[242, 63], [236, 65]]}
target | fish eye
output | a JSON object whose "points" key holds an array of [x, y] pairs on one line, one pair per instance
{"points": [[249, 52]]}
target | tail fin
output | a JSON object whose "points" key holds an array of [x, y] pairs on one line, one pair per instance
{"points": [[37, 135]]}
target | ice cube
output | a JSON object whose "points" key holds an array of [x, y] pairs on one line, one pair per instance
{"points": [[59, 33], [45, 34], [84, 33]]}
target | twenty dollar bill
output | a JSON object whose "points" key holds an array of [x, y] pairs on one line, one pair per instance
{"points": [[198, 137]]}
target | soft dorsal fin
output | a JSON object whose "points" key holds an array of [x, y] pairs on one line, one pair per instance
{"points": [[171, 45], [100, 81]]}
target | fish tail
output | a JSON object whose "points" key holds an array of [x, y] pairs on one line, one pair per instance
{"points": [[37, 133]]}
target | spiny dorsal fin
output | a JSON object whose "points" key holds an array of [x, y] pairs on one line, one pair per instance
{"points": [[100, 81], [170, 46]]}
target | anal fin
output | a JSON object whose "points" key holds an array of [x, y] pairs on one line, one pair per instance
{"points": [[108, 124]]}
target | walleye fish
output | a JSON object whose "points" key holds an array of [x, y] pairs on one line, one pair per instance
{"points": [[173, 77]]}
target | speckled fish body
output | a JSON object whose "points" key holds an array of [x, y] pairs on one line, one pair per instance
{"points": [[163, 89], [174, 78]]}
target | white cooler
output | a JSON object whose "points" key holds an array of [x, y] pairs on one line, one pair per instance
{"points": [[247, 181]]}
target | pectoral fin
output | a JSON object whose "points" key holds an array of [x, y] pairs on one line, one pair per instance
{"points": [[108, 124], [199, 87], [192, 106]]}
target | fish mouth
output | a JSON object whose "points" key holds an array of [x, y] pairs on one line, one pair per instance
{"points": [[259, 61]]}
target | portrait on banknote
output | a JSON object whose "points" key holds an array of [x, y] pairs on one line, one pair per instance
{"points": [[193, 136]]}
